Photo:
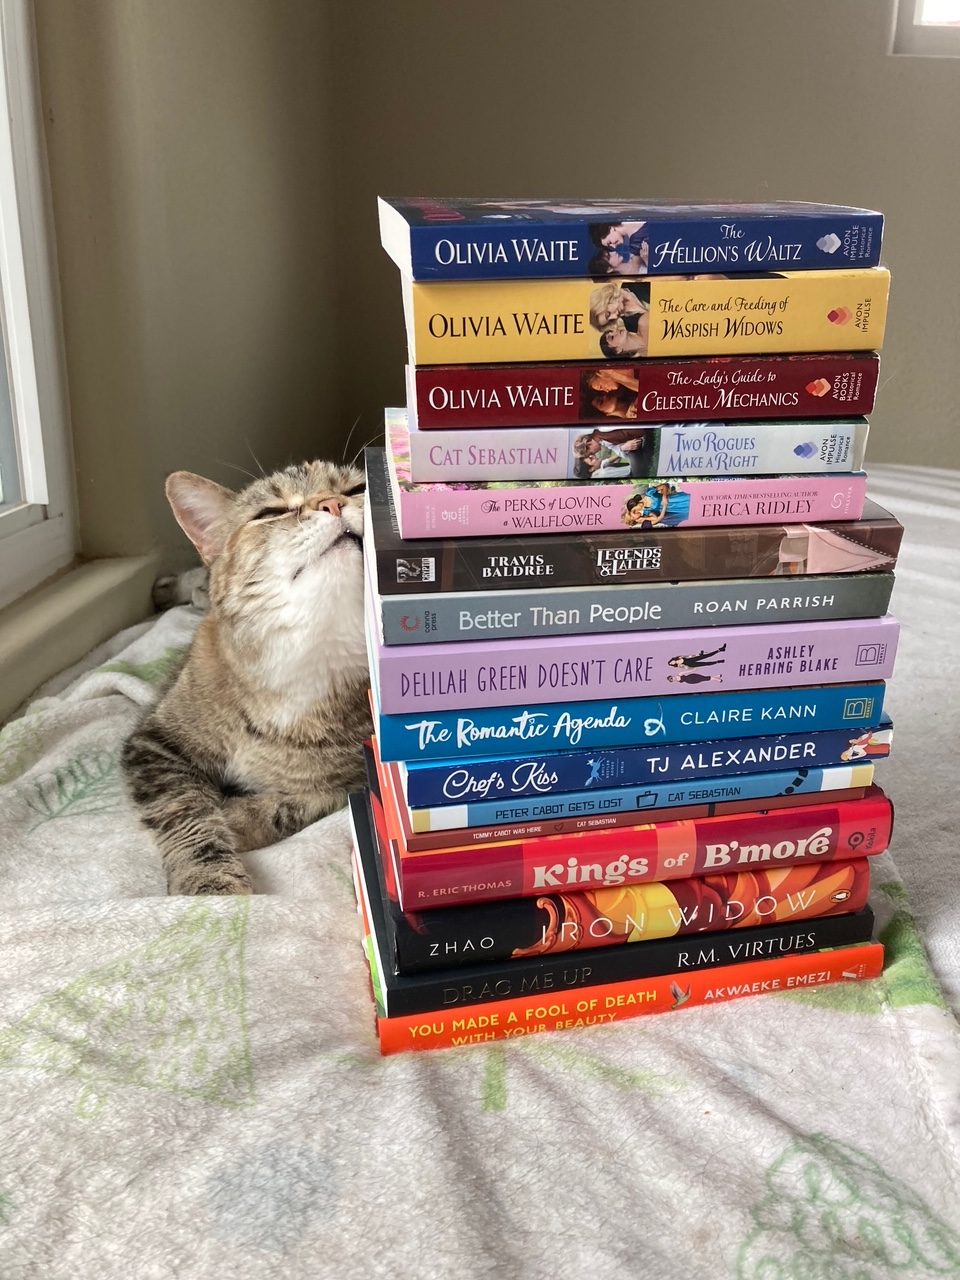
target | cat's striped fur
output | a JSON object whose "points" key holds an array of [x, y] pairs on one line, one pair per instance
{"points": [[259, 733]]}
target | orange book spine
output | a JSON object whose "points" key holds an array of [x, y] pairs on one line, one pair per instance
{"points": [[617, 1001]]}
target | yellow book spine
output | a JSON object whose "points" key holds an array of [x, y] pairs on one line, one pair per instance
{"points": [[487, 321]]}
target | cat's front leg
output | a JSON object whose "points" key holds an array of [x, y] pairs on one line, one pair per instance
{"points": [[183, 809], [262, 819]]}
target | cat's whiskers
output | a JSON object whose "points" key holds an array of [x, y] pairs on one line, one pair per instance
{"points": [[376, 436], [346, 443]]}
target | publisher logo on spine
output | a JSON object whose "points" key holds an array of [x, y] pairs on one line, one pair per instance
{"points": [[615, 561], [858, 709], [420, 570], [870, 655]]}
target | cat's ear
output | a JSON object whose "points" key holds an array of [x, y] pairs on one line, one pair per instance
{"points": [[202, 509]]}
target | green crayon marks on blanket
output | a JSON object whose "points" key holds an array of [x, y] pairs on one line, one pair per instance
{"points": [[6, 1209], [88, 784], [169, 1016], [831, 1211], [907, 975], [494, 1087], [153, 671], [494, 1060], [568, 1060]]}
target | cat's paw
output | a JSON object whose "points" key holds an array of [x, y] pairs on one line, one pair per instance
{"points": [[190, 587], [223, 881], [166, 592]]}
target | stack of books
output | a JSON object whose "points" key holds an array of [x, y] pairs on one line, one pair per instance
{"points": [[627, 680]]}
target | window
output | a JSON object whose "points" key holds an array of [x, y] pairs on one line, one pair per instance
{"points": [[928, 28], [37, 507]]}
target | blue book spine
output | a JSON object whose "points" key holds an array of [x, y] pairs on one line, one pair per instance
{"points": [[660, 795], [562, 726], [460, 782], [665, 246]]}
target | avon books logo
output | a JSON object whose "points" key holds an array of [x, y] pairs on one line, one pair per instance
{"points": [[614, 561]]}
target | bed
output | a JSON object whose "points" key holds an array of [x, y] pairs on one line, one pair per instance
{"points": [[193, 1088]]}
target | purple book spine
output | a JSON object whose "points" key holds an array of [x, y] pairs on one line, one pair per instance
{"points": [[435, 677]]}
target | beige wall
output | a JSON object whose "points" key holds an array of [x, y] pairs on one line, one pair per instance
{"points": [[214, 165], [189, 149]]}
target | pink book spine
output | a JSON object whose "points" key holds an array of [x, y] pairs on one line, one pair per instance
{"points": [[592, 506], [435, 677]]}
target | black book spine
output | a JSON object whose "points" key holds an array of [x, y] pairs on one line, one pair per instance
{"points": [[425, 993]]}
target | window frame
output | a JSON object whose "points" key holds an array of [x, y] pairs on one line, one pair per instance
{"points": [[916, 39], [38, 536]]}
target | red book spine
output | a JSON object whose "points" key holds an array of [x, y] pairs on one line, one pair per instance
{"points": [[617, 1001], [643, 854], [725, 388]]}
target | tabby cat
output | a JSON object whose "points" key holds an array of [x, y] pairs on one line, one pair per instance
{"points": [[259, 734]]}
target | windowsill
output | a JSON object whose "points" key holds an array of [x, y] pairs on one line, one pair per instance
{"points": [[56, 624]]}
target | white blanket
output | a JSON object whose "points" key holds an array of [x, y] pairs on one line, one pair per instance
{"points": [[193, 1089]]}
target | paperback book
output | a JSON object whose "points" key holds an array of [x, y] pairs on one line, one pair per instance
{"points": [[417, 678], [488, 984], [434, 238], [622, 318], [483, 822], [543, 774], [572, 558], [464, 615], [696, 389], [623, 722], [825, 447], [642, 505]]}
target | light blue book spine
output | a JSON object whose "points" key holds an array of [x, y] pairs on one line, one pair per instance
{"points": [[562, 726], [488, 813]]}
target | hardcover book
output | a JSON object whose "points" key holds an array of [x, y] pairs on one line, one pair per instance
{"points": [[542, 774], [439, 677], [704, 389], [619, 318], [490, 984], [623, 722], [555, 922], [576, 558], [638, 855], [635, 452], [641, 505], [433, 238], [591, 1006]]}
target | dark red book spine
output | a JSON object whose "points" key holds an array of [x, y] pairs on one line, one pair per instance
{"points": [[725, 388]]}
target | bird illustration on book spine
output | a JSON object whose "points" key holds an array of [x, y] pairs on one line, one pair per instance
{"points": [[259, 732]]}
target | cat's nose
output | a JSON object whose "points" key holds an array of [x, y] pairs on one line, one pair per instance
{"points": [[333, 506]]}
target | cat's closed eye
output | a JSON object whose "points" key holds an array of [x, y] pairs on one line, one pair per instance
{"points": [[357, 488], [265, 513]]}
